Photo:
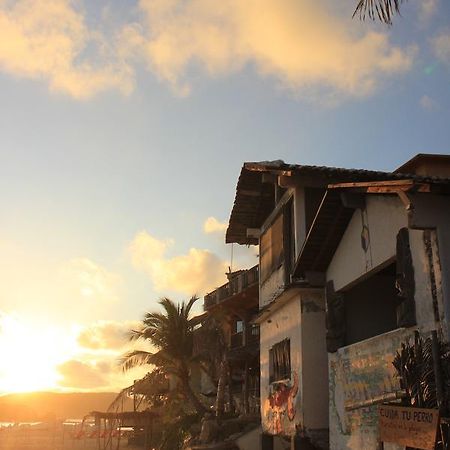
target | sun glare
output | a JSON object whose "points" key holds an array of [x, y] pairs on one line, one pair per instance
{"points": [[30, 354]]}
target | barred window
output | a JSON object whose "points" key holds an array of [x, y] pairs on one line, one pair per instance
{"points": [[280, 361]]}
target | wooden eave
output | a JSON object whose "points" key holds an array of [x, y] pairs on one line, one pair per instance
{"points": [[254, 199], [324, 235]]}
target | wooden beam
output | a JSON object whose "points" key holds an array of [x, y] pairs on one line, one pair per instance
{"points": [[370, 183]]}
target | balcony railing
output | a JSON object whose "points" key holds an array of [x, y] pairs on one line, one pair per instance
{"points": [[236, 285], [251, 337]]}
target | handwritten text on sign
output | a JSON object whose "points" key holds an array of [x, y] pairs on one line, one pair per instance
{"points": [[412, 427]]}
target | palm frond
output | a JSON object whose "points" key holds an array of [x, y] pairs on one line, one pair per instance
{"points": [[135, 358], [384, 10], [171, 333], [118, 402], [415, 369]]}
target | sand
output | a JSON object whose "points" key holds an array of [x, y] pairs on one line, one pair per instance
{"points": [[23, 438]]}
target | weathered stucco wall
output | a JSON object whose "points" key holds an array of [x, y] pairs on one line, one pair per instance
{"points": [[430, 309], [272, 287], [364, 370], [302, 320], [282, 324], [433, 211], [356, 373], [380, 221]]}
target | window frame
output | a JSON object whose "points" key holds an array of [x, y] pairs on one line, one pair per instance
{"points": [[280, 364]]}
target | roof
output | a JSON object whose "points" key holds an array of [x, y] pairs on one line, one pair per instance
{"points": [[333, 216], [254, 199], [415, 164]]}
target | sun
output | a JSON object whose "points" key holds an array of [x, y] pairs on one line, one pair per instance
{"points": [[30, 355]]}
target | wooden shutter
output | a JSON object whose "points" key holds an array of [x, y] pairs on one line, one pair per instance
{"points": [[335, 319]]}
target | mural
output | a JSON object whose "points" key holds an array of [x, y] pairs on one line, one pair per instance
{"points": [[357, 373], [281, 404]]}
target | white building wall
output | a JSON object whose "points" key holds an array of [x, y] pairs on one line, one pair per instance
{"points": [[301, 318], [282, 324], [383, 216], [272, 287], [433, 212]]}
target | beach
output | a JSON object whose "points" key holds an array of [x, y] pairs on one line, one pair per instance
{"points": [[41, 437]]}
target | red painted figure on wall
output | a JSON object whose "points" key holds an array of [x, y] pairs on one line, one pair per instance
{"points": [[281, 403]]}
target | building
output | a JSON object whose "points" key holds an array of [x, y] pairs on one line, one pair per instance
{"points": [[351, 263], [233, 306]]}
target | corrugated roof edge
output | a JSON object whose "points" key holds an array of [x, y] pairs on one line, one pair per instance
{"points": [[280, 165]]}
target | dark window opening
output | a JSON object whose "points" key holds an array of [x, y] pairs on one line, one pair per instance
{"points": [[280, 361], [371, 306]]}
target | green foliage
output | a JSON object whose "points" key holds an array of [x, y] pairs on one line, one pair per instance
{"points": [[171, 333], [176, 432], [415, 369]]}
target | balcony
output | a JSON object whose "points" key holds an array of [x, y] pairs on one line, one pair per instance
{"points": [[251, 337], [237, 285]]}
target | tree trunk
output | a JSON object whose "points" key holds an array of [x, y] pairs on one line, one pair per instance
{"points": [[223, 376], [191, 396], [246, 389]]}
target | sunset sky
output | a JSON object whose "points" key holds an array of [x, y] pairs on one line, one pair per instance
{"points": [[123, 128]]}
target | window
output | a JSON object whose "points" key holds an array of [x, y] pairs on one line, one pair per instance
{"points": [[280, 361], [367, 309], [375, 305]]}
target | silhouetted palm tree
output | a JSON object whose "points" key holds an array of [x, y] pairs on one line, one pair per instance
{"points": [[384, 10], [171, 333]]}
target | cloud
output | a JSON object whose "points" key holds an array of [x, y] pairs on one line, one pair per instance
{"points": [[427, 9], [300, 43], [212, 225], [303, 45], [92, 281], [104, 334], [50, 40], [428, 104], [440, 45], [82, 375], [193, 273]]}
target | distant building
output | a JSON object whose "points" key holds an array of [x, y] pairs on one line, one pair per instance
{"points": [[234, 305], [352, 262]]}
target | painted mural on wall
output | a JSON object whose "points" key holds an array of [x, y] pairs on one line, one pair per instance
{"points": [[357, 373], [280, 404]]}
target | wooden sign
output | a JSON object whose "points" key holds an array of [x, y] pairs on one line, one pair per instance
{"points": [[411, 427]]}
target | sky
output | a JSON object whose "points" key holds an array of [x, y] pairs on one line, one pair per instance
{"points": [[123, 128]]}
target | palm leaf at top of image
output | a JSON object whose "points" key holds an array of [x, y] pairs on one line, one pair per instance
{"points": [[384, 10]]}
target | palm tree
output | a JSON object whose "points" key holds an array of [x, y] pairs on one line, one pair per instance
{"points": [[171, 333], [384, 10]]}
